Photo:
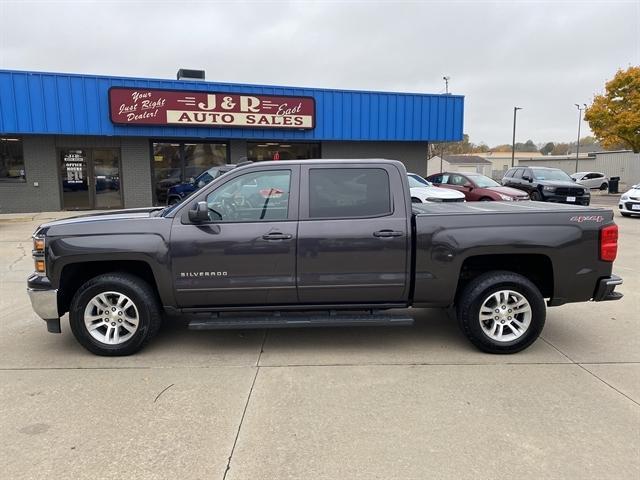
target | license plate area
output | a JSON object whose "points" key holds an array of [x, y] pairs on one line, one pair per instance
{"points": [[571, 199], [635, 207]]}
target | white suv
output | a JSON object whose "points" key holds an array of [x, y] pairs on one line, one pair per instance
{"points": [[592, 179]]}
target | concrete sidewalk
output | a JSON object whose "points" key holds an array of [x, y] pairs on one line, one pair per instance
{"points": [[396, 403]]}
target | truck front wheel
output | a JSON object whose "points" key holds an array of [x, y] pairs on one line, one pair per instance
{"points": [[501, 312], [114, 314]]}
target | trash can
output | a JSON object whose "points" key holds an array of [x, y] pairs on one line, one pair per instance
{"points": [[613, 184]]}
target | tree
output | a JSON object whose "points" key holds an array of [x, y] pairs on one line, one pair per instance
{"points": [[547, 149], [560, 149], [614, 117]]}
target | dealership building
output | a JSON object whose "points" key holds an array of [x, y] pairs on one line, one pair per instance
{"points": [[75, 142]]}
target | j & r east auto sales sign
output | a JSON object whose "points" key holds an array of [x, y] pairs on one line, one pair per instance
{"points": [[140, 106]]}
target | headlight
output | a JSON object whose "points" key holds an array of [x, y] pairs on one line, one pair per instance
{"points": [[506, 197], [625, 197], [549, 189], [434, 199]]}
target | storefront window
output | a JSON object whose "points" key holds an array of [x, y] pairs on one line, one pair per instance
{"points": [[199, 157], [167, 169], [260, 151], [177, 163], [11, 160]]}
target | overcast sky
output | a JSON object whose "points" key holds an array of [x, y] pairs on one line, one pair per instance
{"points": [[543, 56]]}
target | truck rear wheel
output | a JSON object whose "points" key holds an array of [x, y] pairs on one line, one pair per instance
{"points": [[501, 312], [114, 314]]}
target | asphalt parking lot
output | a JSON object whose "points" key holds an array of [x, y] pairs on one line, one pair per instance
{"points": [[392, 403]]}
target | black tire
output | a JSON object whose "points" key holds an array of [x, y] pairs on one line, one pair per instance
{"points": [[604, 186], [479, 289], [486, 199], [415, 200], [536, 197], [140, 293]]}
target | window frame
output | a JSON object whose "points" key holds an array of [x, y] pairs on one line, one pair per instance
{"points": [[9, 180], [304, 213]]}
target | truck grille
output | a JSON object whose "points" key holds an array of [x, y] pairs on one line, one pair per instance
{"points": [[569, 191]]}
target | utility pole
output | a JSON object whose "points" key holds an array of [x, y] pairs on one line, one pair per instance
{"points": [[513, 143], [446, 79], [580, 109]]}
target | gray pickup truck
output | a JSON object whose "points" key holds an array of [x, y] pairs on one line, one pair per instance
{"points": [[317, 243]]}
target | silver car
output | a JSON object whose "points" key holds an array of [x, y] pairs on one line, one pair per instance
{"points": [[592, 179]]}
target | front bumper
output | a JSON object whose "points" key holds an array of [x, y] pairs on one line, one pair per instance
{"points": [[579, 200], [605, 289], [44, 302], [627, 206]]}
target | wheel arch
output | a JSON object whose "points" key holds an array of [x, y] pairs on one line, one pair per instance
{"points": [[538, 268], [74, 275]]}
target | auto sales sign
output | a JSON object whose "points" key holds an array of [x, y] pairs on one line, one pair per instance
{"points": [[141, 106]]}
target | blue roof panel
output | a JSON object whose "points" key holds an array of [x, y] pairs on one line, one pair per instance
{"points": [[69, 104]]}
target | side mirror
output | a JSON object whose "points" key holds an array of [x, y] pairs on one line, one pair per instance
{"points": [[527, 178], [199, 213], [192, 180], [468, 186], [574, 179]]}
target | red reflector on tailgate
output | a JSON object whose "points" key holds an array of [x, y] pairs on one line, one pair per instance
{"points": [[608, 243]]}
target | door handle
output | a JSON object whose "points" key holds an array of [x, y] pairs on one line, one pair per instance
{"points": [[277, 236], [387, 233]]}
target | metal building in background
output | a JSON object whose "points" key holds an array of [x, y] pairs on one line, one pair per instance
{"points": [[89, 141]]}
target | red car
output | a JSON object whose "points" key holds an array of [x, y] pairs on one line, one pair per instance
{"points": [[477, 187]]}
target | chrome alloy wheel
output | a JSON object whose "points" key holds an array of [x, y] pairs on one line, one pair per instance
{"points": [[505, 315], [111, 318]]}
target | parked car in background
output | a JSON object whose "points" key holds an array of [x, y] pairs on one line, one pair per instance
{"points": [[544, 184], [592, 179], [177, 192], [423, 191], [630, 202], [477, 187]]}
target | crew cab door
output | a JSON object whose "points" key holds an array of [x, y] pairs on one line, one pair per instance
{"points": [[246, 253], [353, 235]]}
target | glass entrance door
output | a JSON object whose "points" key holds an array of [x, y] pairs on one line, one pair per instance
{"points": [[75, 181], [90, 178], [106, 172]]}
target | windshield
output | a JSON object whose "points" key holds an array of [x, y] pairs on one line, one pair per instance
{"points": [[416, 181], [483, 182], [558, 175]]}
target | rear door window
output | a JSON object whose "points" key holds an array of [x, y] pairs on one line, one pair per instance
{"points": [[518, 173], [349, 193]]}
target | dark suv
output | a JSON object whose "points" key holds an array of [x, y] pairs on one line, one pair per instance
{"points": [[547, 185], [177, 192]]}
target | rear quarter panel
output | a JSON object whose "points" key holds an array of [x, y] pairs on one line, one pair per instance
{"points": [[568, 236]]}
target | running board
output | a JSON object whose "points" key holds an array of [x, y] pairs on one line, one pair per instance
{"points": [[273, 321]]}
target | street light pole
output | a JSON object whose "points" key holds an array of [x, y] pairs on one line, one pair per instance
{"points": [[513, 143], [446, 79], [580, 109]]}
